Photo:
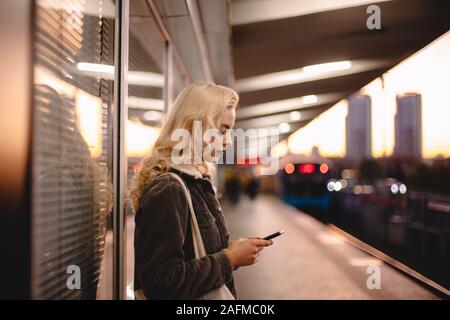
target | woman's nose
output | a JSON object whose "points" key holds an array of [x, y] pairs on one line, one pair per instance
{"points": [[227, 141]]}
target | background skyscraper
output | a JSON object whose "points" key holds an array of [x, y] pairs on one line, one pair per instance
{"points": [[408, 125], [359, 128]]}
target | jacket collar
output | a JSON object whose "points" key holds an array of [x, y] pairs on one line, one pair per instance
{"points": [[190, 173], [189, 170]]}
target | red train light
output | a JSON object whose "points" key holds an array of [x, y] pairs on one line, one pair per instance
{"points": [[323, 168], [289, 168], [307, 168]]}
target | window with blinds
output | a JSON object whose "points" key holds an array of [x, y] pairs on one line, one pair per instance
{"points": [[72, 132]]}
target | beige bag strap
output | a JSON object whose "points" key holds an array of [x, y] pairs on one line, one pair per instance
{"points": [[199, 247]]}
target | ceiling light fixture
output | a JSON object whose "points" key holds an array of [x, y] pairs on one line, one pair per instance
{"points": [[284, 127], [145, 103], [153, 115], [138, 78], [323, 68], [295, 115], [306, 74], [282, 105]]}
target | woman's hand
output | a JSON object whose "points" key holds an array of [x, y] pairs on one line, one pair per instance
{"points": [[245, 251]]}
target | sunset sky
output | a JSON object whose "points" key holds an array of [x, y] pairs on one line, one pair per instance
{"points": [[427, 72]]}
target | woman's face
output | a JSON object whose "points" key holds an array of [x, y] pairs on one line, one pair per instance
{"points": [[226, 123], [221, 139], [216, 141]]}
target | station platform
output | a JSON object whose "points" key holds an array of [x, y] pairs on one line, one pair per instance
{"points": [[310, 261]]}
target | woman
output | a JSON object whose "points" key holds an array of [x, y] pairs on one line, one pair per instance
{"points": [[165, 264]]}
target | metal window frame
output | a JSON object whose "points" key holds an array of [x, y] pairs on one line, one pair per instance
{"points": [[168, 89], [194, 15], [173, 53], [120, 116]]}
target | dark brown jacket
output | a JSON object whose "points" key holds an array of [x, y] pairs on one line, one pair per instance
{"points": [[165, 264]]}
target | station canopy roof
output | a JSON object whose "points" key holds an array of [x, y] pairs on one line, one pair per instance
{"points": [[293, 60]]}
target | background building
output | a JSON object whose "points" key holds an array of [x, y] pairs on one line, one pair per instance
{"points": [[408, 125], [359, 127]]}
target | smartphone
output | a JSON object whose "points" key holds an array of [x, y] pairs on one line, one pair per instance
{"points": [[274, 235]]}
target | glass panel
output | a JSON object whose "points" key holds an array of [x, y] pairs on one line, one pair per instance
{"points": [[71, 190], [145, 104]]}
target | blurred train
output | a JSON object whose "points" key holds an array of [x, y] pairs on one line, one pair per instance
{"points": [[303, 181]]}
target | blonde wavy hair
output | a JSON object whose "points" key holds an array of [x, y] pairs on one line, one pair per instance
{"points": [[199, 101]]}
